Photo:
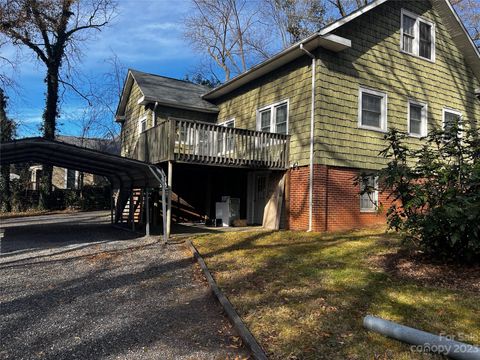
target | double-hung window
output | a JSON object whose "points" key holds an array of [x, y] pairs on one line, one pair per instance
{"points": [[369, 194], [450, 118], [273, 118], [417, 118], [417, 36], [372, 110]]}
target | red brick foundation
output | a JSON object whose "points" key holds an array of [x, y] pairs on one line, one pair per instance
{"points": [[336, 201]]}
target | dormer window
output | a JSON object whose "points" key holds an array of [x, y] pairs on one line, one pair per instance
{"points": [[417, 36]]}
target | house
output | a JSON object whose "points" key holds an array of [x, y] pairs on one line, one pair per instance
{"points": [[288, 136], [63, 178]]}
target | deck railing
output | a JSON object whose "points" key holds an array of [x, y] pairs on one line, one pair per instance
{"points": [[205, 143]]}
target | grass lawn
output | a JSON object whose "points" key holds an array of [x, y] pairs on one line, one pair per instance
{"points": [[304, 295]]}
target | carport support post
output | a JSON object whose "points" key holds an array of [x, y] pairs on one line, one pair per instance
{"points": [[131, 213], [169, 199], [147, 213], [111, 203]]}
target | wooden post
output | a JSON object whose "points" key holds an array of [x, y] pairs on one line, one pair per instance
{"points": [[147, 213], [169, 199]]}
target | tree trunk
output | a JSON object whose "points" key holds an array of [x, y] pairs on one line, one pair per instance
{"points": [[6, 134], [49, 124]]}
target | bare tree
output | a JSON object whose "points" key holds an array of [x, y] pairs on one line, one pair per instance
{"points": [[7, 128], [7, 132], [469, 12], [53, 30], [228, 31], [295, 19]]}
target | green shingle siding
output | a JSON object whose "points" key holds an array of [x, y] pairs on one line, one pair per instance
{"points": [[292, 82], [375, 61]]}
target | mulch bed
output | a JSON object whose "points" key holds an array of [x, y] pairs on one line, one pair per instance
{"points": [[416, 266]]}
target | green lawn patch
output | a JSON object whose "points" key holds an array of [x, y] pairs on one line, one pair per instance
{"points": [[304, 295]]}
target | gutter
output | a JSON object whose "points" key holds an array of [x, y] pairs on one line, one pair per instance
{"points": [[312, 140], [154, 115], [146, 100]]}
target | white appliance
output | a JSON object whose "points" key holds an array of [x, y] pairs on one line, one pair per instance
{"points": [[228, 210]]}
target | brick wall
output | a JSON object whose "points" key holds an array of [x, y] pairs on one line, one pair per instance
{"points": [[336, 202]]}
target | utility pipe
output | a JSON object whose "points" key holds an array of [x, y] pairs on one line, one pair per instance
{"points": [[169, 198], [426, 341], [147, 213], [312, 140], [154, 117]]}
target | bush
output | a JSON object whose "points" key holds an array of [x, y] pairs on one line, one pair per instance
{"points": [[435, 192]]}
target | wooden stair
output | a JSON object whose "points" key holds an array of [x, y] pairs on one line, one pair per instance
{"points": [[137, 203]]}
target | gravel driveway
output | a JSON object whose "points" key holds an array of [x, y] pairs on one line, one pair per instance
{"points": [[73, 287]]}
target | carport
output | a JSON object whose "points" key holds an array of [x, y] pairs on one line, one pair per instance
{"points": [[123, 173]]}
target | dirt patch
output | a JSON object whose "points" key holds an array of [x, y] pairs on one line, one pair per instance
{"points": [[416, 266]]}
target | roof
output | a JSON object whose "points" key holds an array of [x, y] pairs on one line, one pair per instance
{"points": [[324, 38], [165, 91], [111, 146], [121, 171]]}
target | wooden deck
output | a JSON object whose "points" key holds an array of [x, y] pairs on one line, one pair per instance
{"points": [[210, 144]]}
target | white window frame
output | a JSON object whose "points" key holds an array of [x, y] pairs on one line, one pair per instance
{"points": [[273, 115], [140, 121], [451, 111], [383, 108], [224, 123], [424, 124], [373, 197], [416, 32]]}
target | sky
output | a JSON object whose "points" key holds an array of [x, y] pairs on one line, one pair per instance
{"points": [[145, 35]]}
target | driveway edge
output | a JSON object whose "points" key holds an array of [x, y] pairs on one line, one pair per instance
{"points": [[247, 337]]}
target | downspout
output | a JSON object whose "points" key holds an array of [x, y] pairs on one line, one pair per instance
{"points": [[312, 138], [154, 117]]}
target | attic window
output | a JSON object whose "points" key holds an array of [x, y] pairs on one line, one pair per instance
{"points": [[417, 36]]}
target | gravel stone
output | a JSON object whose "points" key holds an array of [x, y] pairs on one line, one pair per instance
{"points": [[74, 287]]}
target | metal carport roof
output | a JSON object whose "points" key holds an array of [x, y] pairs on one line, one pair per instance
{"points": [[122, 172]]}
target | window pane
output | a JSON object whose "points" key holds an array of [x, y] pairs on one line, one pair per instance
{"points": [[408, 25], [407, 43], [371, 110], [416, 112], [408, 33], [70, 179], [282, 128], [371, 103], [450, 119], [368, 201], [265, 120], [281, 119], [425, 40], [416, 127], [370, 119], [416, 119]]}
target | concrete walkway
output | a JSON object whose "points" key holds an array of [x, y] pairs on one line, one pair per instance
{"points": [[73, 287]]}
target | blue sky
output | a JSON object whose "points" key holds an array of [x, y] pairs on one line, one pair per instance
{"points": [[145, 35]]}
